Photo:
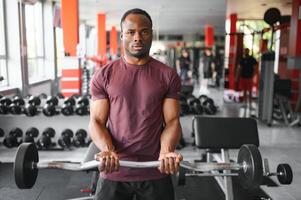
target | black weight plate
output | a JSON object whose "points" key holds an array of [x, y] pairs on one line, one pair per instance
{"points": [[251, 175], [81, 132], [286, 176], [68, 133], [70, 101], [16, 132], [49, 131], [49, 110], [271, 16], [3, 109], [31, 110], [5, 101], [52, 100], [25, 174], [67, 110], [32, 131], [34, 100], [83, 101]]}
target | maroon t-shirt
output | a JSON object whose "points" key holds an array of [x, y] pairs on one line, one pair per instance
{"points": [[136, 94]]}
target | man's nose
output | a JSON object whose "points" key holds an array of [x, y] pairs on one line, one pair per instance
{"points": [[137, 36]]}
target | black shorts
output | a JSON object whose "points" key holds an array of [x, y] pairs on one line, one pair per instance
{"points": [[161, 189]]}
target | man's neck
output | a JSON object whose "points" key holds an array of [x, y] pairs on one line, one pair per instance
{"points": [[136, 61]]}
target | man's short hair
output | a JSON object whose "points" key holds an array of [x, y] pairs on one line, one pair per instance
{"points": [[135, 11]]}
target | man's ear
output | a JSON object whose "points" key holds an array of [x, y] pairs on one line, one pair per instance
{"points": [[121, 35]]}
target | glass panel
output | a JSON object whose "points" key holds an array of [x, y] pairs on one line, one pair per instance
{"points": [[34, 30], [36, 69], [35, 42], [2, 30]]}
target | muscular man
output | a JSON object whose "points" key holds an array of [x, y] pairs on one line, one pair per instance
{"points": [[135, 116]]}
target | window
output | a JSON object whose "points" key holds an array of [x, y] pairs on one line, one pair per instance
{"points": [[3, 65], [35, 42], [59, 49]]}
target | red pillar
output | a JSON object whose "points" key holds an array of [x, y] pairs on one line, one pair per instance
{"points": [[209, 36], [69, 14], [231, 45], [294, 52], [295, 30], [113, 41], [102, 37], [71, 71]]}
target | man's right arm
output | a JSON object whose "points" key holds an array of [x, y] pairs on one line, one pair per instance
{"points": [[99, 112]]}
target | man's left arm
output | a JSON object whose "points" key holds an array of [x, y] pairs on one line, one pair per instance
{"points": [[169, 159]]}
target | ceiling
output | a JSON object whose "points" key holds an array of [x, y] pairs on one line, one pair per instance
{"points": [[178, 16], [256, 9], [169, 16]]}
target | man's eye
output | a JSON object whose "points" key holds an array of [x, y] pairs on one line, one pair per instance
{"points": [[146, 32]]}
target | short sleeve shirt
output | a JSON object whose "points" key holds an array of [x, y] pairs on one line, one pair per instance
{"points": [[135, 122], [247, 67]]}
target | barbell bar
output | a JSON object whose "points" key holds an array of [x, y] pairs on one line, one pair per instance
{"points": [[249, 166]]}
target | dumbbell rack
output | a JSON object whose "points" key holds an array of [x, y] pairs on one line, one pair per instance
{"points": [[41, 122]]}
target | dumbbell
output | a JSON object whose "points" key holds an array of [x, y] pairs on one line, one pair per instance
{"points": [[44, 141], [12, 139], [67, 108], [194, 105], [4, 103], [49, 108], [79, 139], [30, 134], [31, 109], [17, 105], [208, 105], [248, 167], [65, 141], [82, 107]]}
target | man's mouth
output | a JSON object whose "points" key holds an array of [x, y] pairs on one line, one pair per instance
{"points": [[137, 47]]}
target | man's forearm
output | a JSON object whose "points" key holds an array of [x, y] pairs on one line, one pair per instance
{"points": [[170, 136], [100, 136]]}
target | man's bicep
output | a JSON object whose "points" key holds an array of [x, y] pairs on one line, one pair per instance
{"points": [[171, 109], [99, 110]]}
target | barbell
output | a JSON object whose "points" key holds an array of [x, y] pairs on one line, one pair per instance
{"points": [[249, 166]]}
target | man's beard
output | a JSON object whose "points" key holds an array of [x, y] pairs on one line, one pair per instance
{"points": [[140, 54]]}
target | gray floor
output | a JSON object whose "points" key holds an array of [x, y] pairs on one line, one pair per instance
{"points": [[280, 144]]}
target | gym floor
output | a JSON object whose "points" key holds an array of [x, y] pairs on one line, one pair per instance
{"points": [[279, 143]]}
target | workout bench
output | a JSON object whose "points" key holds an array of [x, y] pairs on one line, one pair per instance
{"points": [[217, 136]]}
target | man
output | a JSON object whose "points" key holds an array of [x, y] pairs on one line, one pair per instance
{"points": [[183, 65], [246, 73], [136, 96], [207, 66]]}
